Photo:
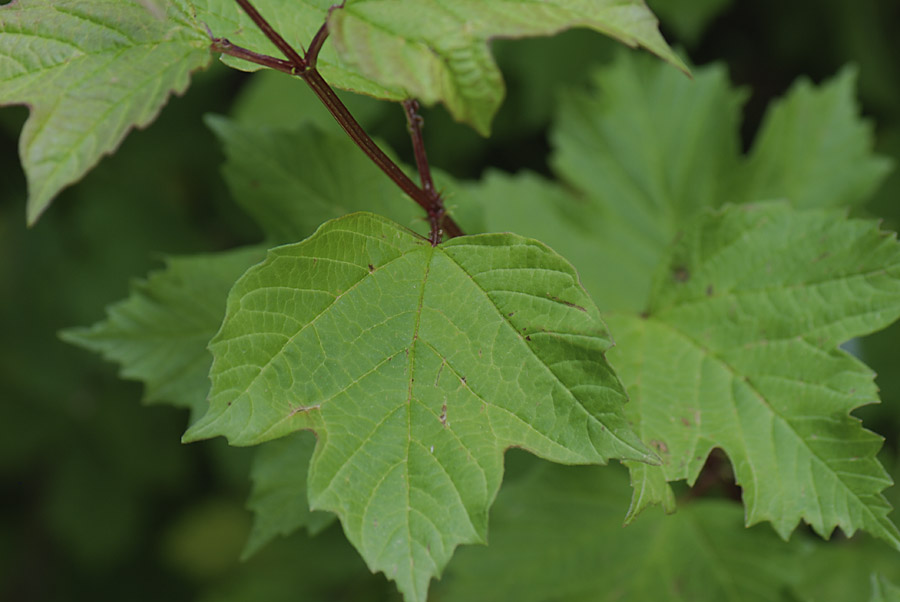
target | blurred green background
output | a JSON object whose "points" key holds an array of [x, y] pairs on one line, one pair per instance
{"points": [[99, 499]]}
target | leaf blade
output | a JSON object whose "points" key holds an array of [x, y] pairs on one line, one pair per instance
{"points": [[414, 405], [89, 71], [767, 384]]}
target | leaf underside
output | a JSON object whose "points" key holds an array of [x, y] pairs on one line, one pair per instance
{"points": [[416, 366], [436, 51]]}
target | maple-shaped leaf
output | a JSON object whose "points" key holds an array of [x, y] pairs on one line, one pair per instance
{"points": [[633, 193], [90, 70], [556, 534], [647, 151], [435, 51], [159, 335], [738, 350], [416, 366]]}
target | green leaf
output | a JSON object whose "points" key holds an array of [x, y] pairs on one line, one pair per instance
{"points": [[670, 380], [883, 590], [292, 180], [814, 150], [436, 51], [90, 70], [557, 534], [646, 151], [278, 499], [738, 350], [159, 335], [416, 366]]}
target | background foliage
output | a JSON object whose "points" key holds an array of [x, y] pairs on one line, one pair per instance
{"points": [[100, 502]]}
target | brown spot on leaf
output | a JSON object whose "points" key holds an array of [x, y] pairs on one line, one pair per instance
{"points": [[681, 274], [564, 302], [371, 268], [659, 446], [443, 417], [709, 291]]}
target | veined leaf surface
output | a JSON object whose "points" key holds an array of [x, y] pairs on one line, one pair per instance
{"points": [[416, 366], [436, 51], [90, 71], [738, 350]]}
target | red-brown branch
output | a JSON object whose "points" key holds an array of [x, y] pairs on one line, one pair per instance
{"points": [[305, 67]]}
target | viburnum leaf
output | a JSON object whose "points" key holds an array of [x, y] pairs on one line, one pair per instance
{"points": [[651, 152], [561, 528], [814, 150], [738, 350], [159, 335], [278, 498], [694, 398], [435, 51], [89, 70], [416, 366]]}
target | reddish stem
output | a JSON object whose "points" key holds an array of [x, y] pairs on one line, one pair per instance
{"points": [[437, 214], [305, 67], [286, 49]]}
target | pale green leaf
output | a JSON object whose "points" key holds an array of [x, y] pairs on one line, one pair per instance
{"points": [[435, 51], [90, 71], [416, 366], [159, 335], [292, 180], [738, 350], [814, 150], [556, 534], [278, 500], [438, 52]]}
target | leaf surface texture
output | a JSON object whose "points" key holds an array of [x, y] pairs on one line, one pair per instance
{"points": [[416, 366], [90, 71], [435, 51]]}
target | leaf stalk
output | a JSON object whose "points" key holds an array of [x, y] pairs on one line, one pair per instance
{"points": [[426, 196]]}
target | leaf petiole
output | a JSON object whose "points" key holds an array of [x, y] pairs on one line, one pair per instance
{"points": [[305, 67]]}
